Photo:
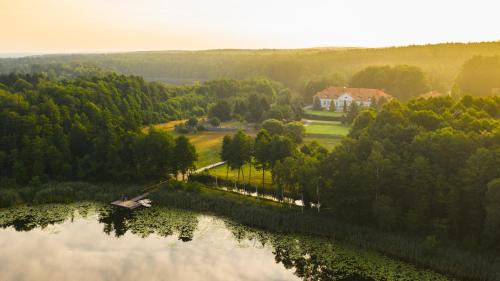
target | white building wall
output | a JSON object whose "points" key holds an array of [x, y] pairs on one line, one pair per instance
{"points": [[344, 100]]}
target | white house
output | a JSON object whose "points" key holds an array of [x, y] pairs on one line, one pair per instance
{"points": [[342, 97]]}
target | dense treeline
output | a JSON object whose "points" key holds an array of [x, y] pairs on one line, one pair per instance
{"points": [[429, 167], [293, 68], [87, 128], [90, 126], [401, 81], [480, 76], [250, 100]]}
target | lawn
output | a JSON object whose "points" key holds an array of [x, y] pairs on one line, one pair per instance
{"points": [[256, 178], [327, 128], [323, 113], [328, 142], [327, 133]]}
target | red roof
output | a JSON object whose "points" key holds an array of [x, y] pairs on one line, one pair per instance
{"points": [[356, 93], [431, 94]]}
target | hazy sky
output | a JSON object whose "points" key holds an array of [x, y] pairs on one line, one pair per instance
{"points": [[122, 25]]}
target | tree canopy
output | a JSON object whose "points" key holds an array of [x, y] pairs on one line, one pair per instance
{"points": [[402, 81]]}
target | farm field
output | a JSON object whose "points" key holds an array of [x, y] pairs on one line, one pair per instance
{"points": [[208, 146], [208, 143]]}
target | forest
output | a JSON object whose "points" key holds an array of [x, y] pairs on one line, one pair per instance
{"points": [[420, 168], [429, 167], [294, 68], [91, 128], [85, 129]]}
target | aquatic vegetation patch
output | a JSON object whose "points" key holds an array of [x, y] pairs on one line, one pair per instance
{"points": [[163, 222], [315, 258], [25, 218]]}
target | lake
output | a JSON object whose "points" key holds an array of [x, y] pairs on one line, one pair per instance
{"points": [[95, 242]]}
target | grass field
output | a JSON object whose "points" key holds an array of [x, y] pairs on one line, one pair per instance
{"points": [[323, 113], [327, 142], [169, 126], [208, 146], [256, 178], [327, 133], [208, 143], [328, 128]]}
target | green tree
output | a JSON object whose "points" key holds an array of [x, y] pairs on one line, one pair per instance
{"points": [[221, 110], [262, 152], [215, 122], [295, 131], [226, 152], [184, 155], [401, 81], [492, 221], [273, 126], [241, 147], [154, 154], [317, 104], [192, 122]]}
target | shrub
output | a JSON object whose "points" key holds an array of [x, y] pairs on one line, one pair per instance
{"points": [[181, 129], [215, 122], [9, 197], [192, 122], [56, 194], [273, 126]]}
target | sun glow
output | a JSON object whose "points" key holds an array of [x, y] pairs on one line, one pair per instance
{"points": [[122, 25]]}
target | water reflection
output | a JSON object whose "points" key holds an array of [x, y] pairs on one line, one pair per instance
{"points": [[151, 247], [137, 246], [114, 220]]}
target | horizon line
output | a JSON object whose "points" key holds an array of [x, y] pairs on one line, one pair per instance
{"points": [[24, 54]]}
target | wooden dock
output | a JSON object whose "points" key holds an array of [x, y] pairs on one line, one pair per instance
{"points": [[131, 203]]}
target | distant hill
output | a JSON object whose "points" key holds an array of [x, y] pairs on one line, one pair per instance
{"points": [[293, 67]]}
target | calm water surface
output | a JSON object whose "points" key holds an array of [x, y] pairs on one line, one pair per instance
{"points": [[95, 242], [80, 250]]}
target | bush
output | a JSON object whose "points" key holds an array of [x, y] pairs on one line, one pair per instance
{"points": [[215, 122], [56, 194], [273, 126], [200, 128], [295, 131], [9, 197], [192, 122], [181, 129]]}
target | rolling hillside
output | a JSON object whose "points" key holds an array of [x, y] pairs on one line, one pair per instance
{"points": [[441, 62]]}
